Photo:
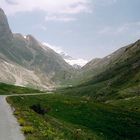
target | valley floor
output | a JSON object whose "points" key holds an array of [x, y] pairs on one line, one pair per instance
{"points": [[57, 117]]}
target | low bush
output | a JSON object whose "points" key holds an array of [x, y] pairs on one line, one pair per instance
{"points": [[21, 121], [27, 129], [16, 113], [39, 109]]}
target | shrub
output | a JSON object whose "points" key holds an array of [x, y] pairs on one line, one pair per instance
{"points": [[16, 113], [21, 121], [27, 129], [39, 109]]}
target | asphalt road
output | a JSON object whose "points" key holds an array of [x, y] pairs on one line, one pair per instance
{"points": [[9, 127]]}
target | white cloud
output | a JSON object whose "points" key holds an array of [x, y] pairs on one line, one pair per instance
{"points": [[105, 30], [123, 29], [40, 27], [76, 8], [62, 10], [50, 6], [104, 2], [60, 18]]}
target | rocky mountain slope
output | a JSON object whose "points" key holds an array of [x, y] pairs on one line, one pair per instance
{"points": [[113, 77], [99, 65], [75, 62], [25, 62]]}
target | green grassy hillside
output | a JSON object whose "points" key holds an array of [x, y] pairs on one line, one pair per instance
{"points": [[6, 89], [119, 80], [72, 118]]}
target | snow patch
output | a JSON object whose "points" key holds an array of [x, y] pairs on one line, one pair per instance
{"points": [[108, 56], [65, 56], [80, 62], [57, 49]]}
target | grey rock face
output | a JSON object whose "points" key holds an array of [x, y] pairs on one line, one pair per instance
{"points": [[5, 32], [27, 55]]}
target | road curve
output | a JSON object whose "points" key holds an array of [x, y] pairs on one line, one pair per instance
{"points": [[9, 127]]}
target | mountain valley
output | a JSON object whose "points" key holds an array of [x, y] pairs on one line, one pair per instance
{"points": [[53, 98]]}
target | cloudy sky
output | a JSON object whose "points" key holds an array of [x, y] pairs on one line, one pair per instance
{"points": [[82, 28]]}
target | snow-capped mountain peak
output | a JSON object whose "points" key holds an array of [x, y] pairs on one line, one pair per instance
{"points": [[77, 63]]}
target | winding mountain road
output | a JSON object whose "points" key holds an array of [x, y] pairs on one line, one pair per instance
{"points": [[9, 127]]}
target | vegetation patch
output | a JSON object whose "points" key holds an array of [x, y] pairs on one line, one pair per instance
{"points": [[39, 109], [6, 89], [27, 129], [21, 121], [73, 118]]}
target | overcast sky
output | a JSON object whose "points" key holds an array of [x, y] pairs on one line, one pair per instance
{"points": [[82, 28]]}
